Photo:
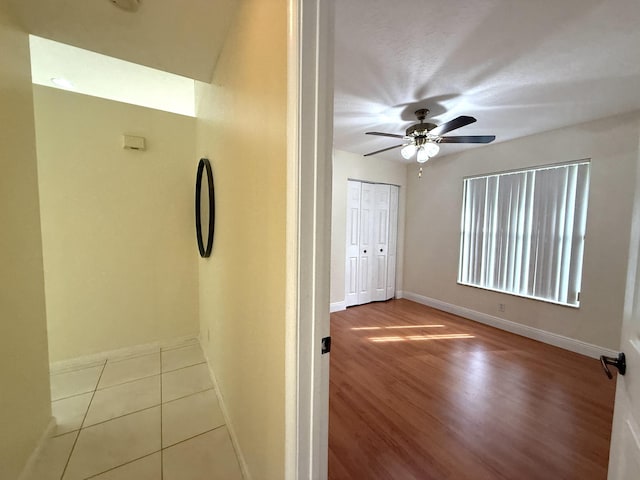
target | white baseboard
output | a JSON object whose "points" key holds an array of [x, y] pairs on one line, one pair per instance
{"points": [[337, 306], [28, 468], [571, 344], [399, 294], [227, 421], [120, 353]]}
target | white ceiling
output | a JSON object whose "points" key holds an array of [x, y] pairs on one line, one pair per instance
{"points": [[520, 67], [183, 37]]}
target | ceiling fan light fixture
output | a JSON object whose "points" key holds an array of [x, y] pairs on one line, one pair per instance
{"points": [[408, 151], [432, 149], [423, 138], [422, 156]]}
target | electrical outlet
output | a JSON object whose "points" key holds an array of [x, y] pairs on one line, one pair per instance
{"points": [[501, 307]]}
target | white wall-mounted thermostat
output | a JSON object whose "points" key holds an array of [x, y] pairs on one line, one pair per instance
{"points": [[131, 142]]}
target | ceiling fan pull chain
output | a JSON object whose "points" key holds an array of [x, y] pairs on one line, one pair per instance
{"points": [[420, 173]]}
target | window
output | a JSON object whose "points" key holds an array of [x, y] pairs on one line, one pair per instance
{"points": [[522, 232]]}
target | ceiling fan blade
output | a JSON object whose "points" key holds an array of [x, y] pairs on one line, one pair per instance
{"points": [[452, 125], [394, 135], [384, 150], [469, 139]]}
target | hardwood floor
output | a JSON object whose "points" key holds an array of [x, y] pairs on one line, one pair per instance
{"points": [[416, 393]]}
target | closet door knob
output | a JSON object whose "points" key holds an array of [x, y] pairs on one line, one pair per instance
{"points": [[365, 251], [380, 250]]}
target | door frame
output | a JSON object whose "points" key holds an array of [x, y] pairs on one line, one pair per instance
{"points": [[309, 160]]}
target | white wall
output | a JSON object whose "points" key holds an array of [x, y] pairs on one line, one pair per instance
{"points": [[25, 409], [351, 166], [120, 254], [243, 283], [434, 206]]}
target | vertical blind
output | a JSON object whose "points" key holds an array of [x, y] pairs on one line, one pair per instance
{"points": [[523, 232]]}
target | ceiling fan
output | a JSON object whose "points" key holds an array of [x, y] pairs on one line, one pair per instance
{"points": [[423, 139]]}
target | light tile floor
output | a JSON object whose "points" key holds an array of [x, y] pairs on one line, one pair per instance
{"points": [[153, 416]]}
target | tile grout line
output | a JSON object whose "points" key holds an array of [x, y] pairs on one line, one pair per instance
{"points": [[195, 436], [72, 396], [127, 382], [157, 451], [106, 388], [116, 359], [116, 418], [96, 389], [190, 395], [122, 465], [135, 411], [136, 379], [186, 366], [66, 465], [124, 383]]}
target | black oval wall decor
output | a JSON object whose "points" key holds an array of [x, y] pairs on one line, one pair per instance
{"points": [[204, 168]]}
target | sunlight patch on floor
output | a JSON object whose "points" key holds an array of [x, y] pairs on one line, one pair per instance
{"points": [[416, 326], [451, 336], [395, 327]]}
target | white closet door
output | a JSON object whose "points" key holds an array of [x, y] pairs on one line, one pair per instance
{"points": [[353, 243], [365, 274], [372, 229], [381, 241], [393, 242]]}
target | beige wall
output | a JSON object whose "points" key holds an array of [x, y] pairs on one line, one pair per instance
{"points": [[351, 166], [242, 130], [434, 206], [24, 373], [120, 256]]}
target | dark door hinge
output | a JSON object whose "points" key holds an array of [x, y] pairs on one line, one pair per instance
{"points": [[326, 345]]}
